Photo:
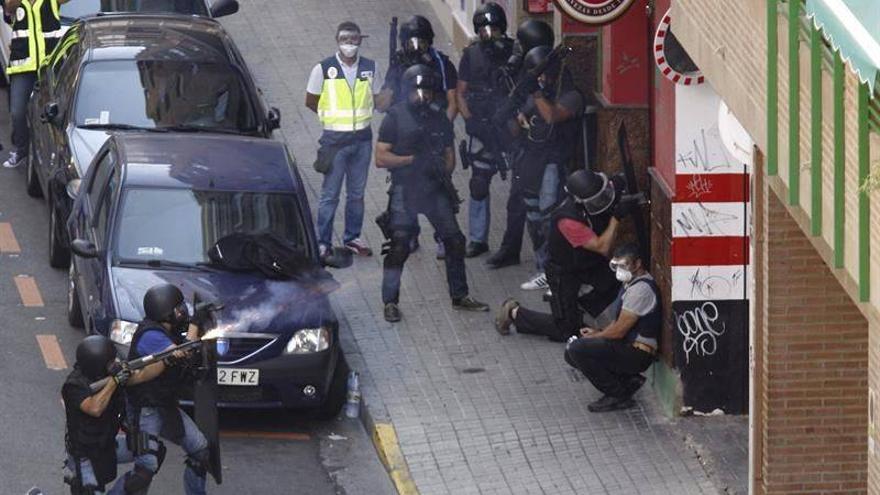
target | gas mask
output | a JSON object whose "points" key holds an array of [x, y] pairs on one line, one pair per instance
{"points": [[348, 50], [349, 43], [180, 316], [417, 45], [622, 270]]}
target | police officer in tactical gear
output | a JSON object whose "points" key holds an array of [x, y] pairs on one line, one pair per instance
{"points": [[154, 404], [584, 227], [481, 90], [416, 38], [549, 123], [416, 144], [530, 34], [613, 357], [93, 419]]}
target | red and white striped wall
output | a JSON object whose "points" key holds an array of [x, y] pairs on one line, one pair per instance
{"points": [[710, 210]]}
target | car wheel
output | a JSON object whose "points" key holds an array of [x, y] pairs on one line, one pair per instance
{"points": [[74, 311], [59, 253], [33, 184], [336, 395]]}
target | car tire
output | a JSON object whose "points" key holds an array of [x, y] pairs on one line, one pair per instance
{"points": [[33, 184], [59, 253], [74, 310], [337, 393]]}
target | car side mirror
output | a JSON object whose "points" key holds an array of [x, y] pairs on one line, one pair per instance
{"points": [[50, 113], [273, 119], [220, 8], [338, 257], [72, 188], [84, 248]]}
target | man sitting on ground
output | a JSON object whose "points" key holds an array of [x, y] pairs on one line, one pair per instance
{"points": [[614, 357]]}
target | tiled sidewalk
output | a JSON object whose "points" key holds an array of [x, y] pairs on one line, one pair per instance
{"points": [[474, 412]]}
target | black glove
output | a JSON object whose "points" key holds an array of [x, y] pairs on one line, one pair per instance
{"points": [[120, 372], [623, 208]]}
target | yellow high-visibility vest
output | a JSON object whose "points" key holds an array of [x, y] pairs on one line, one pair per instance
{"points": [[36, 29], [340, 108]]}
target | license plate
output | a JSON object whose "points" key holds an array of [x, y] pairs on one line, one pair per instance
{"points": [[238, 376]]}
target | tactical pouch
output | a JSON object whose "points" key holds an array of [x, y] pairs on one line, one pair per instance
{"points": [[324, 161]]}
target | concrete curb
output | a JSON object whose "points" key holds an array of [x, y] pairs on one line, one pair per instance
{"points": [[385, 440]]}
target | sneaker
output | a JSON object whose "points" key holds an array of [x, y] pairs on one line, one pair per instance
{"points": [[538, 282], [475, 249], [501, 259], [392, 313], [468, 303], [504, 318], [608, 403], [359, 247], [323, 251], [13, 161], [441, 251]]}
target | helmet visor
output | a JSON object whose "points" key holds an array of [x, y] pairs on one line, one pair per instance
{"points": [[600, 201], [419, 45]]}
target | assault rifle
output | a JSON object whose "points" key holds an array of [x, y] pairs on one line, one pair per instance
{"points": [[437, 166], [392, 42], [525, 83], [144, 361]]}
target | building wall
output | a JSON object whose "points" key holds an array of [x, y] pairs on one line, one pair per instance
{"points": [[727, 40], [815, 396]]}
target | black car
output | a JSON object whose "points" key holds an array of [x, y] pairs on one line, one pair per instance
{"points": [[152, 73], [151, 210]]}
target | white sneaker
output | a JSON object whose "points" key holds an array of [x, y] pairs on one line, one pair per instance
{"points": [[13, 161], [538, 282]]}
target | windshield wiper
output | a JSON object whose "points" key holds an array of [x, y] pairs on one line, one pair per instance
{"points": [[120, 127], [160, 263], [199, 128]]}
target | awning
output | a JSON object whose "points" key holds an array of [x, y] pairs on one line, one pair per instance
{"points": [[853, 28]]}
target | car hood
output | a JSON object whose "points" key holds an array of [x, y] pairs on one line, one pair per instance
{"points": [[84, 143], [251, 303]]}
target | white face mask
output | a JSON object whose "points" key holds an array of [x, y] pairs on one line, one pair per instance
{"points": [[349, 51], [623, 275]]}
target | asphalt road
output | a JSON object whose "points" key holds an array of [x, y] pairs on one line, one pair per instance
{"points": [[263, 452]]}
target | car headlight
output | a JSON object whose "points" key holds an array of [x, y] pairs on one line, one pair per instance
{"points": [[121, 331], [308, 340]]}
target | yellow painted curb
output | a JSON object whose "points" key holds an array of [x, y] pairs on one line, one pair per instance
{"points": [[385, 439]]}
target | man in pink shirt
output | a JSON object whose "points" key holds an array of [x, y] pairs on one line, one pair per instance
{"points": [[582, 231]]}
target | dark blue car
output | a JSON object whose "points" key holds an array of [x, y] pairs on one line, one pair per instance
{"points": [[151, 207]]}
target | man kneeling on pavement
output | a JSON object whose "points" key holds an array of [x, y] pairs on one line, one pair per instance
{"points": [[613, 358]]}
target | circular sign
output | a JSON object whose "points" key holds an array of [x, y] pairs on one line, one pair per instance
{"points": [[332, 73], [595, 11], [671, 57]]}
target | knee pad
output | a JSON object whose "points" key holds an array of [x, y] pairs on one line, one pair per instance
{"points": [[138, 480], [398, 252], [479, 185], [455, 245], [199, 461]]}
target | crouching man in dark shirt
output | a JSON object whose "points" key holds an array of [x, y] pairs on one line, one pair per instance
{"points": [[94, 445], [613, 358]]}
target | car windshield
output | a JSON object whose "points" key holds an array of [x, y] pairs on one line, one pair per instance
{"points": [[181, 225], [81, 8], [154, 93]]}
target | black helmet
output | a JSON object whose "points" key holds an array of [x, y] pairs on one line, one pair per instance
{"points": [[419, 76], [591, 190], [93, 355], [161, 304], [536, 57], [490, 14], [532, 33], [417, 27]]}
